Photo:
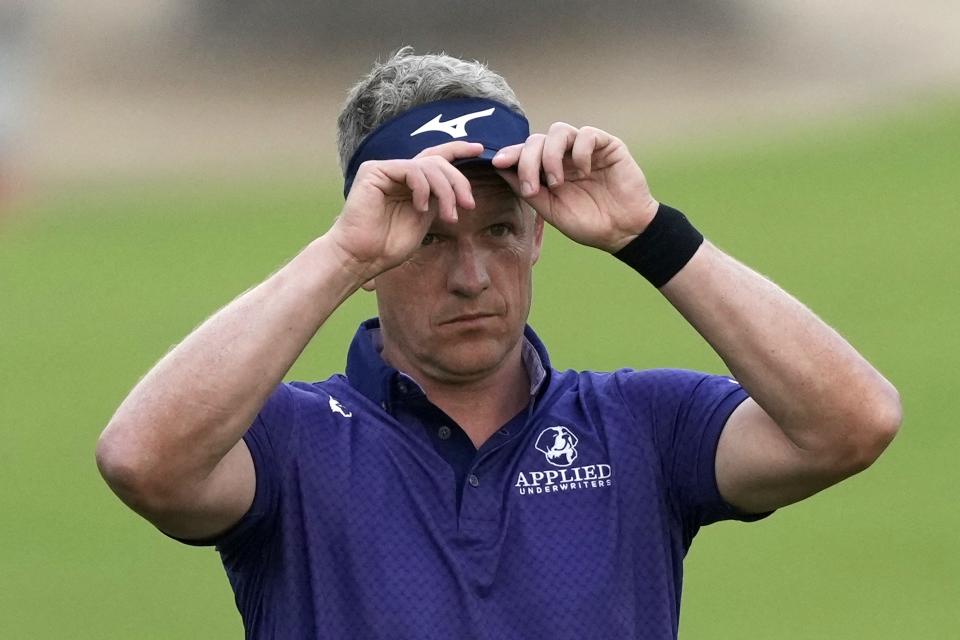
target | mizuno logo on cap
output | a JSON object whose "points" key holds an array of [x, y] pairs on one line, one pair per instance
{"points": [[455, 128]]}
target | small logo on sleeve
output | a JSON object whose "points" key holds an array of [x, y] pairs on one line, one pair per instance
{"points": [[336, 407]]}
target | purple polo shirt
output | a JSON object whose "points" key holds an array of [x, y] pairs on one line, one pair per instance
{"points": [[375, 517]]}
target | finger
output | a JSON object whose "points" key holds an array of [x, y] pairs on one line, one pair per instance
{"points": [[560, 138], [442, 191], [399, 175], [507, 156], [588, 142], [419, 187], [451, 151], [582, 152], [510, 177], [528, 168], [540, 202], [462, 190]]}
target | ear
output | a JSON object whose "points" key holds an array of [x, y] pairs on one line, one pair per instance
{"points": [[537, 236], [369, 285]]}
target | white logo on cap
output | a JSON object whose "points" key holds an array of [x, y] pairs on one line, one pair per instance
{"points": [[455, 128]]}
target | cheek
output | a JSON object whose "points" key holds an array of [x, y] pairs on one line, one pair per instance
{"points": [[515, 262], [402, 292], [394, 302]]}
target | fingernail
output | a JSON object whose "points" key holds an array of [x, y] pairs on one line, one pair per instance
{"points": [[526, 188], [552, 180]]}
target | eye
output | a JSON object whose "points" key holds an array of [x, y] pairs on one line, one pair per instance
{"points": [[428, 239], [500, 230]]}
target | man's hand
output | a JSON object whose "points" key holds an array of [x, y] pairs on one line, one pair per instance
{"points": [[393, 202], [595, 193]]}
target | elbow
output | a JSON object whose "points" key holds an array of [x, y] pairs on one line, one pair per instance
{"points": [[117, 464], [125, 470], [876, 425]]}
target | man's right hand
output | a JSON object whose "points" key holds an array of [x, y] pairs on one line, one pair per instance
{"points": [[393, 203]]}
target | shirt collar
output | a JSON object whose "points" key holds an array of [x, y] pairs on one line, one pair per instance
{"points": [[368, 373]]}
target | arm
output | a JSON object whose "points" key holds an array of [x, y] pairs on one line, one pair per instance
{"points": [[173, 450], [818, 413]]}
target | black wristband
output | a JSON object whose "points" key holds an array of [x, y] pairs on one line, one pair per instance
{"points": [[664, 247]]}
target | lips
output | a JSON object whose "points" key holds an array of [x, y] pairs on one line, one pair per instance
{"points": [[468, 317]]}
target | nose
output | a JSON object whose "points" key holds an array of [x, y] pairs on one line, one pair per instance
{"points": [[468, 274]]}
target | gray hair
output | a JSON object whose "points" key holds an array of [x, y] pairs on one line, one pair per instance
{"points": [[407, 80]]}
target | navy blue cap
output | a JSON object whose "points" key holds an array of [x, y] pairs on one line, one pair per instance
{"points": [[491, 123]]}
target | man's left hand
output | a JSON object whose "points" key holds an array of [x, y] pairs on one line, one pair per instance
{"points": [[595, 193]]}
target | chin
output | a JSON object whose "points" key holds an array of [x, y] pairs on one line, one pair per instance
{"points": [[469, 359]]}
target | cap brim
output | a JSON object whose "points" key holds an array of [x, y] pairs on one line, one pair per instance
{"points": [[485, 158]]}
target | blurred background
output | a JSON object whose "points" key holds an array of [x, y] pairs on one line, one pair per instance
{"points": [[158, 158]]}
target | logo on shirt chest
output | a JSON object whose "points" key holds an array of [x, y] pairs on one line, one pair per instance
{"points": [[559, 446]]}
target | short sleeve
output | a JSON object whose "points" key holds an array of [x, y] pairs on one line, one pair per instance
{"points": [[266, 439], [686, 412]]}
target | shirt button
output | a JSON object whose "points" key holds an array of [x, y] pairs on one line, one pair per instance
{"points": [[473, 480], [444, 432], [402, 385]]}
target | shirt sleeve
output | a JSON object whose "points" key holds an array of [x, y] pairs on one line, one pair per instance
{"points": [[686, 412], [266, 438]]}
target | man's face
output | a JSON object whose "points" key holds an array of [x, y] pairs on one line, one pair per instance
{"points": [[455, 310]]}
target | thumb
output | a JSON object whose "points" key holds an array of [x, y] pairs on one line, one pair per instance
{"points": [[540, 201]]}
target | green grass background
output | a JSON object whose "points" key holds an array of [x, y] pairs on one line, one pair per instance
{"points": [[857, 217]]}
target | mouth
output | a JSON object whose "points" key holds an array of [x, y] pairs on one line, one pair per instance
{"points": [[468, 319]]}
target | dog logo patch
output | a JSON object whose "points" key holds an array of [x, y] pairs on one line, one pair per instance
{"points": [[559, 445]]}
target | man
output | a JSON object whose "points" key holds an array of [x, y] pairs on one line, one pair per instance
{"points": [[453, 484]]}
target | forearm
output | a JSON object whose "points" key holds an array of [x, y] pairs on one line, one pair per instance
{"points": [[196, 403], [817, 388]]}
